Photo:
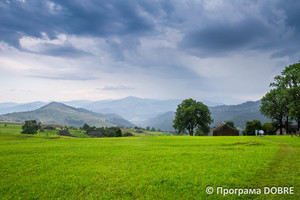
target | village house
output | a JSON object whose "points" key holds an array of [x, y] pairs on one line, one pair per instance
{"points": [[224, 129]]}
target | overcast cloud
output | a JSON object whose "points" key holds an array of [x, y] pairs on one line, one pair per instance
{"points": [[224, 51]]}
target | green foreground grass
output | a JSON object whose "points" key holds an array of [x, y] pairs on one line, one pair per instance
{"points": [[165, 167]]}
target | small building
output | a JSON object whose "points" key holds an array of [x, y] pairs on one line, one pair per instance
{"points": [[223, 129], [64, 133], [49, 127], [95, 134], [293, 129], [138, 131]]}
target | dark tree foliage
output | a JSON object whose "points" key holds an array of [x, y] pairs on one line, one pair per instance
{"points": [[251, 126], [118, 133], [30, 127], [275, 106], [190, 115], [199, 132], [127, 134], [89, 129], [282, 103], [85, 126], [269, 128], [230, 123]]}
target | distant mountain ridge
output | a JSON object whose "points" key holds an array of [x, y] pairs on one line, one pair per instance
{"points": [[148, 112], [137, 109], [131, 108], [15, 107], [239, 114], [59, 113]]}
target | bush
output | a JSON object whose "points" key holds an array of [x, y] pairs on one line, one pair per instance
{"points": [[127, 134]]}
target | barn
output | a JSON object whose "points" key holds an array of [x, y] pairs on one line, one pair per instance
{"points": [[95, 134], [223, 129], [64, 133]]}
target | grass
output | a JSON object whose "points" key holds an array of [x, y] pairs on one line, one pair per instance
{"points": [[173, 167]]}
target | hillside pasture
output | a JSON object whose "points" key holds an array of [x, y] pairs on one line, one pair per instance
{"points": [[176, 167]]}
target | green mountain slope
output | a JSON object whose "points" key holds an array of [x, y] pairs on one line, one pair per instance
{"points": [[58, 113], [163, 121], [239, 114]]}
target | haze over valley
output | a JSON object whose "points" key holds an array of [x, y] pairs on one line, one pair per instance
{"points": [[126, 112]]}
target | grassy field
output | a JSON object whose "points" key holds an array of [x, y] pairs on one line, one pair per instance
{"points": [[159, 167]]}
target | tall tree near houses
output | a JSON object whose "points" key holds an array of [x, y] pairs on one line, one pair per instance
{"points": [[290, 81], [190, 115], [274, 105]]}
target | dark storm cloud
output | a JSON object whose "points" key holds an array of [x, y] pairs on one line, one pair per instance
{"points": [[260, 25], [216, 38], [274, 26], [87, 18]]}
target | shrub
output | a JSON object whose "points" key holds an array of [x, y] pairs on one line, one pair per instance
{"points": [[127, 134]]}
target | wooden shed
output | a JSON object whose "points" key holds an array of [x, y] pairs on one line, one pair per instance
{"points": [[95, 134], [223, 129], [64, 133]]}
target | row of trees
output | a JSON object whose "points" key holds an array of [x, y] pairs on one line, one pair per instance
{"points": [[107, 132], [251, 126], [282, 102]]}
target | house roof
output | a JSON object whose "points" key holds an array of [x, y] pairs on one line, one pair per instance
{"points": [[64, 132], [95, 133], [222, 124]]}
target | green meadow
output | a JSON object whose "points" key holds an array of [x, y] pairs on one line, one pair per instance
{"points": [[47, 166]]}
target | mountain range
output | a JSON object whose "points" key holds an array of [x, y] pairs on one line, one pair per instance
{"points": [[58, 113], [239, 114], [142, 112]]}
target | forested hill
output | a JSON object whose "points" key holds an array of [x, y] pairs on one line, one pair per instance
{"points": [[239, 114], [58, 113]]}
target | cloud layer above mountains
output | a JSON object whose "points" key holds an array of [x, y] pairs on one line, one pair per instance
{"points": [[223, 50]]}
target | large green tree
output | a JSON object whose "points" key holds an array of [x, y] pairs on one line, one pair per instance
{"points": [[275, 106], [287, 86], [190, 115], [290, 78], [30, 127]]}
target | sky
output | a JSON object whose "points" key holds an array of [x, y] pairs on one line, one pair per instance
{"points": [[222, 51]]}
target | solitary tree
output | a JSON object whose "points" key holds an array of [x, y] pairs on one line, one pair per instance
{"points": [[30, 127], [191, 114]]}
